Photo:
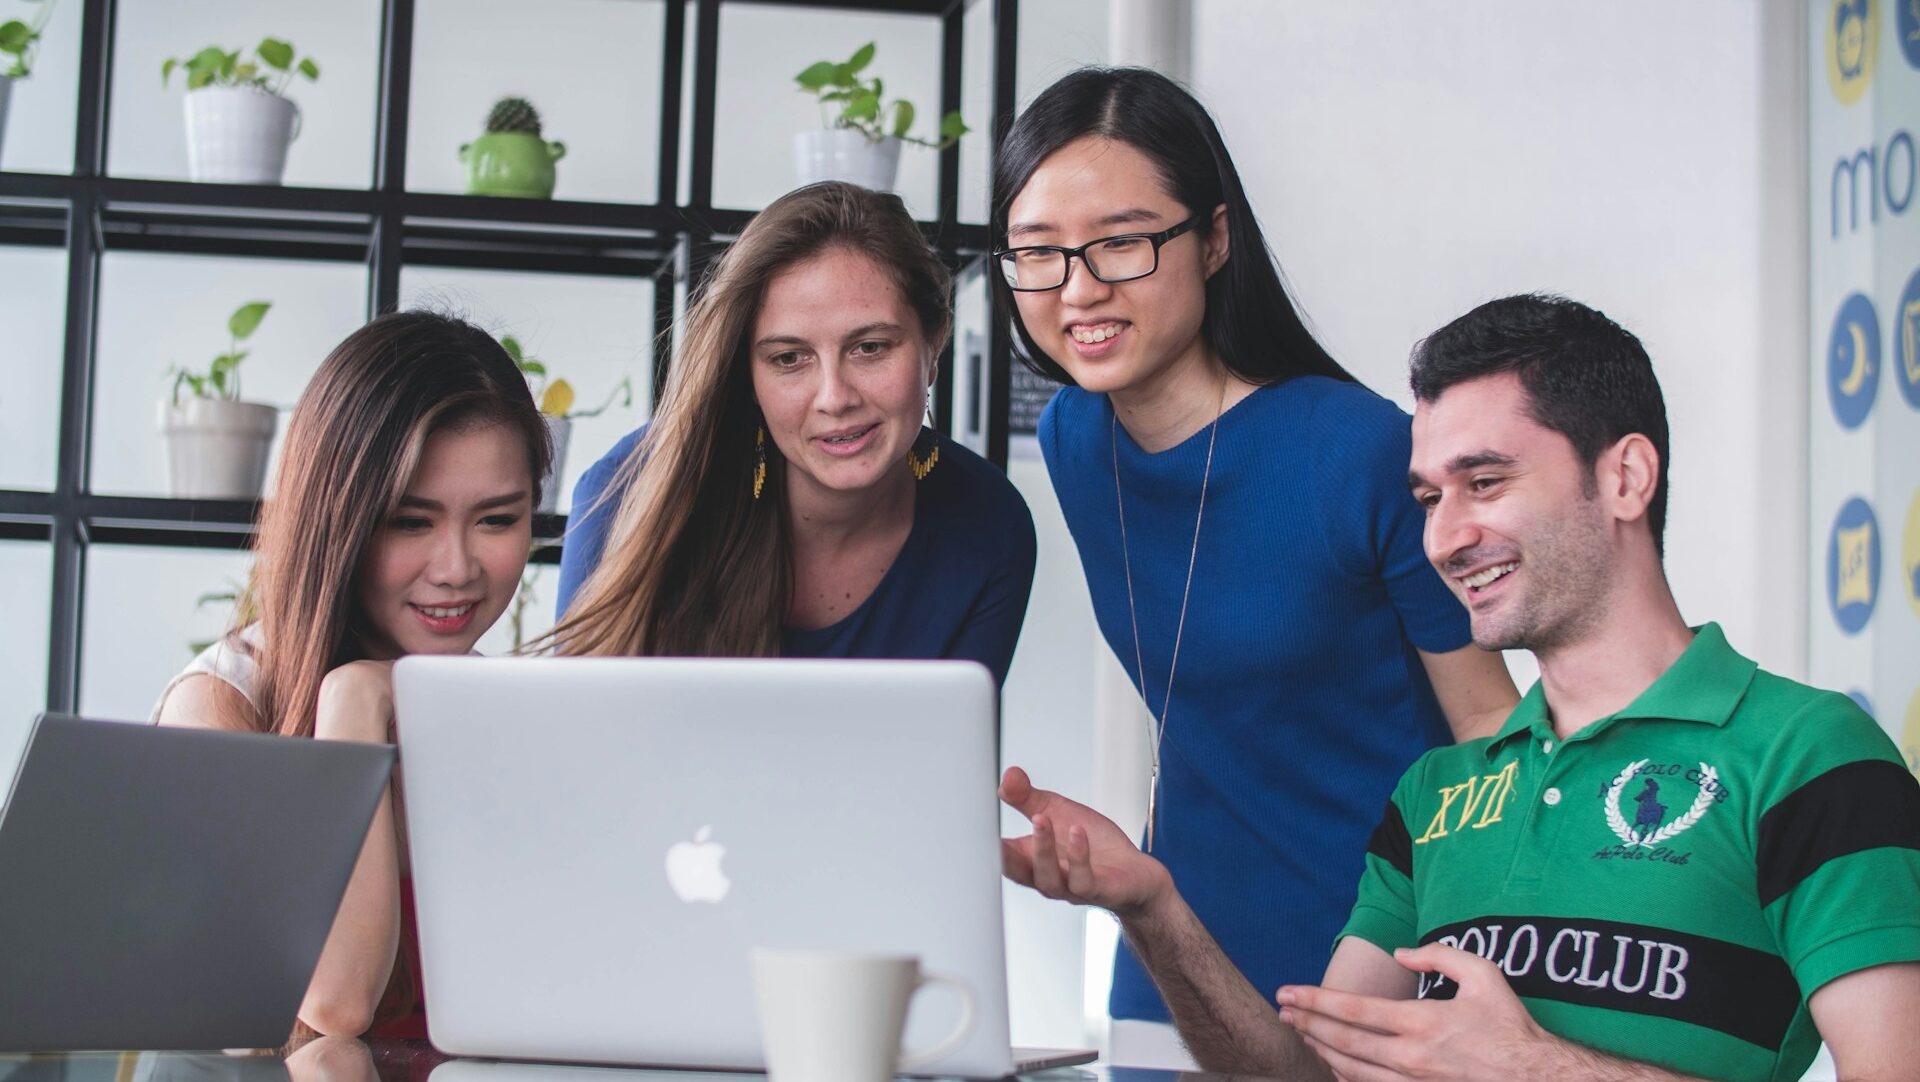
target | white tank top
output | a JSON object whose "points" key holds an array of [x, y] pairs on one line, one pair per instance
{"points": [[231, 660]]}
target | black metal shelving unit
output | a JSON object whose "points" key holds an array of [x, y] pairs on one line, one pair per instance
{"points": [[386, 227]]}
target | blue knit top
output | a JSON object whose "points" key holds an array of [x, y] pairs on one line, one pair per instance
{"points": [[1299, 698], [958, 588]]}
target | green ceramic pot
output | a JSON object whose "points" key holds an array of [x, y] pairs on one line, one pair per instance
{"points": [[511, 163]]}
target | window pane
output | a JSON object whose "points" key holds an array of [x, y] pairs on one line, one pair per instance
{"points": [[592, 331], [333, 146], [145, 620], [470, 53], [39, 122], [760, 108], [33, 303], [26, 573], [159, 311]]}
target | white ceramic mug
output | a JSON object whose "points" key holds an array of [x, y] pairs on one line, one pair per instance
{"points": [[838, 1016]]}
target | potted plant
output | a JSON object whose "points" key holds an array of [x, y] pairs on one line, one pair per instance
{"points": [[217, 445], [556, 399], [239, 119], [19, 40], [511, 159], [861, 143]]}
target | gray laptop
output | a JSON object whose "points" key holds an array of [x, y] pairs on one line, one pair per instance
{"points": [[171, 888], [598, 844]]}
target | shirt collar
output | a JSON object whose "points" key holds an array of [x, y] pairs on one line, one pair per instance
{"points": [[1704, 684]]}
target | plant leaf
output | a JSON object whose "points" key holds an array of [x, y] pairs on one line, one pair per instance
{"points": [[166, 70], [14, 36], [952, 127], [816, 76], [836, 95], [228, 62], [843, 76], [246, 71], [533, 368], [277, 54], [861, 58], [512, 346], [309, 69], [865, 105], [207, 59], [558, 398], [902, 117], [199, 79], [246, 319]]}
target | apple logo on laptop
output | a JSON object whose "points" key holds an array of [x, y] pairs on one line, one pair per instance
{"points": [[693, 869]]}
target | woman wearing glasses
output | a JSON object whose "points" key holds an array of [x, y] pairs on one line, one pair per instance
{"points": [[786, 499], [1241, 511]]}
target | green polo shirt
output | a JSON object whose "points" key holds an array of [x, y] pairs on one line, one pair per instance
{"points": [[1671, 883]]}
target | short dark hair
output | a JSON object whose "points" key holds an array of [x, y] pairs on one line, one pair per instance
{"points": [[1251, 322], [1585, 376]]}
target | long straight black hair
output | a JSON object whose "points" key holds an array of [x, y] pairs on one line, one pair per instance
{"points": [[1251, 321]]}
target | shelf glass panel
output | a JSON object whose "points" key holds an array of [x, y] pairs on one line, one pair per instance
{"points": [[591, 69], [333, 147], [33, 305], [40, 119], [158, 311], [145, 621], [26, 578], [759, 108], [591, 330]]}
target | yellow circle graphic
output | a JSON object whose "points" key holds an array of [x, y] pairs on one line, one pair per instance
{"points": [[1910, 554], [1853, 42], [1910, 736]]}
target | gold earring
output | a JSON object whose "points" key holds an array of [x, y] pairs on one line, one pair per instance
{"points": [[921, 467], [759, 460]]}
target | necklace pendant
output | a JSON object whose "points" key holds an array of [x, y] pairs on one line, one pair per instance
{"points": [[1153, 806]]}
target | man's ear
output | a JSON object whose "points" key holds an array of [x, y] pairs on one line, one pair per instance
{"points": [[1218, 246], [1628, 474]]}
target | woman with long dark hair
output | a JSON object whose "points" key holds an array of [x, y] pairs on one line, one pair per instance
{"points": [[786, 499], [1241, 511], [399, 523]]}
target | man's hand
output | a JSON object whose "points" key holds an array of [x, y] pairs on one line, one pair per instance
{"points": [[1483, 1032], [1077, 854]]}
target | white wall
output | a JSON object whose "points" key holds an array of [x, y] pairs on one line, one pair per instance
{"points": [[1410, 161]]}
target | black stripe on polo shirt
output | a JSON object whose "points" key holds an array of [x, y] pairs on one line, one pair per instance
{"points": [[1868, 804], [1742, 992], [1391, 842]]}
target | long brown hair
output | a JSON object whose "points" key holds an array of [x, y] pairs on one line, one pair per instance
{"points": [[355, 439], [694, 565]]}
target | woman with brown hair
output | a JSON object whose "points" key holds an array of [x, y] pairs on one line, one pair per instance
{"points": [[399, 523], [786, 500]]}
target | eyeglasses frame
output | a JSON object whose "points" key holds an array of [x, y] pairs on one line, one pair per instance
{"points": [[1158, 240]]}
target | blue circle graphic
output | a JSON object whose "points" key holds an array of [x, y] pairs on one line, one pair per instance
{"points": [[1853, 361], [1853, 565], [1860, 699], [1906, 339], [1906, 20]]}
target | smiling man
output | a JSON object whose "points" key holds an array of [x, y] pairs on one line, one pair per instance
{"points": [[1667, 863]]}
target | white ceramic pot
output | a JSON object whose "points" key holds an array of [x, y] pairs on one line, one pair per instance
{"points": [[845, 154], [559, 429], [6, 92], [239, 134], [217, 450]]}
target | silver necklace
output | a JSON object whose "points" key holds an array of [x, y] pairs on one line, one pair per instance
{"points": [[1158, 731]]}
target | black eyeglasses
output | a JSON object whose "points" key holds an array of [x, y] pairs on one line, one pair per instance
{"points": [[1122, 258]]}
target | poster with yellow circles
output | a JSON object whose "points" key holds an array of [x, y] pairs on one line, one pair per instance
{"points": [[1863, 499]]}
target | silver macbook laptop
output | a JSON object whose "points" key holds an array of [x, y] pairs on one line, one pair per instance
{"points": [[172, 888], [597, 845]]}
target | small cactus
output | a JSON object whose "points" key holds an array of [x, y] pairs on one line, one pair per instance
{"points": [[514, 114]]}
